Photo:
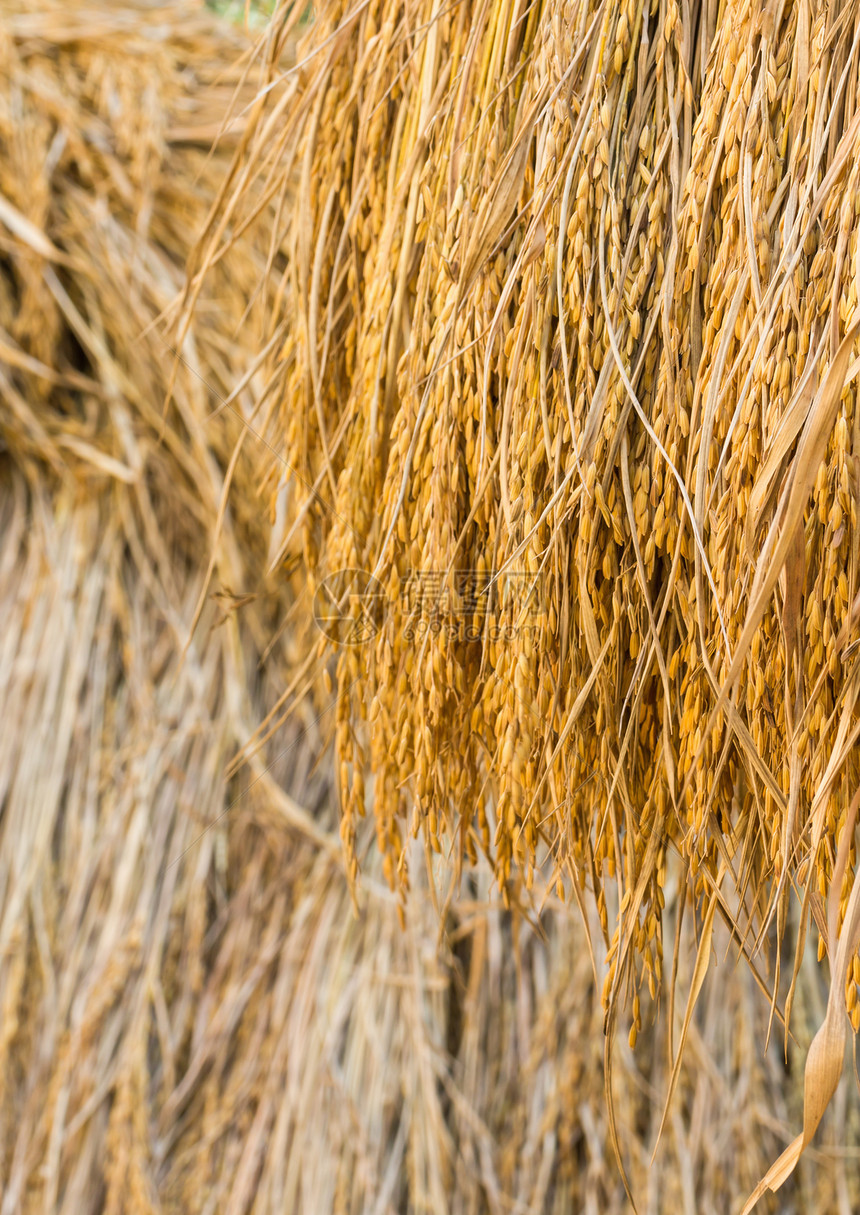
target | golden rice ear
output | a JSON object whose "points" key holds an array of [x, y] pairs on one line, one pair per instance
{"points": [[575, 296]]}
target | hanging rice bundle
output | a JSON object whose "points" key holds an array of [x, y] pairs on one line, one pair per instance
{"points": [[569, 382], [191, 1018]]}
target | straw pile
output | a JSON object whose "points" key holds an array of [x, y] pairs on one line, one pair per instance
{"points": [[117, 729], [191, 1017], [572, 296]]}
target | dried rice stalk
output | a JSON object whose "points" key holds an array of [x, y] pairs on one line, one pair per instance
{"points": [[194, 1020], [572, 291]]}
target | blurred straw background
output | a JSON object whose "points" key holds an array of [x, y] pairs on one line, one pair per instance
{"points": [[193, 1018]]}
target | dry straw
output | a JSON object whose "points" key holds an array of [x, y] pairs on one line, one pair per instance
{"points": [[191, 1019], [571, 290]]}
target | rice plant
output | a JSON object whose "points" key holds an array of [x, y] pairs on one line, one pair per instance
{"points": [[571, 295]]}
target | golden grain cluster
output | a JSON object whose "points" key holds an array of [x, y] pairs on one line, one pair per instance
{"points": [[571, 293]]}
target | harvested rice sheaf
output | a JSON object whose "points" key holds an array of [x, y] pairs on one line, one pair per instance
{"points": [[571, 298]]}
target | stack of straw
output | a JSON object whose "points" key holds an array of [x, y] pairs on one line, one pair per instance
{"points": [[572, 297], [191, 1017], [117, 449]]}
